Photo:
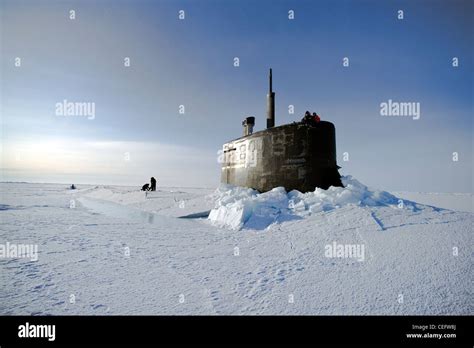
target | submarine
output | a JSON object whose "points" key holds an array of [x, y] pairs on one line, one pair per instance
{"points": [[298, 156]]}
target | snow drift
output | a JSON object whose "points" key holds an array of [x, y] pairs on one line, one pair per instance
{"points": [[238, 207]]}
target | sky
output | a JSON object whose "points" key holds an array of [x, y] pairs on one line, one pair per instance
{"points": [[137, 130]]}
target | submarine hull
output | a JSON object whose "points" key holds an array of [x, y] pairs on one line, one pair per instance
{"points": [[296, 156]]}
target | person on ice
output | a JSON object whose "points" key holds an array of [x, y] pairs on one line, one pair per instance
{"points": [[146, 187], [153, 184]]}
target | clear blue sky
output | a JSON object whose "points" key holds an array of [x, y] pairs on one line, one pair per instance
{"points": [[190, 62]]}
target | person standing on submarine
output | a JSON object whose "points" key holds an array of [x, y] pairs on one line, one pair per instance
{"points": [[307, 118], [316, 118], [153, 184]]}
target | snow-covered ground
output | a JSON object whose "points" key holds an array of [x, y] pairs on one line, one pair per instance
{"points": [[453, 201], [114, 250]]}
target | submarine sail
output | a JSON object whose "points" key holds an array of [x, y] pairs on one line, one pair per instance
{"points": [[297, 156]]}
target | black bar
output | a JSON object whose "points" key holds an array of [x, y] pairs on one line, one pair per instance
{"points": [[224, 330]]}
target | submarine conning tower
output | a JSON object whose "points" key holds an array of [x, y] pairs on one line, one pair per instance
{"points": [[297, 156]]}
